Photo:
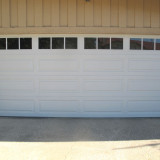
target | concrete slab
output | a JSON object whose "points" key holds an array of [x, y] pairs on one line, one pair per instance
{"points": [[79, 139]]}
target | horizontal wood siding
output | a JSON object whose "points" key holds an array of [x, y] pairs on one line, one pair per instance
{"points": [[126, 14]]}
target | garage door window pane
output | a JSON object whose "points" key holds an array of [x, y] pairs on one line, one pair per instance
{"points": [[26, 43], [103, 43], [157, 44], [71, 43], [44, 43], [148, 44], [135, 43], [2, 43], [90, 43], [117, 43], [13, 43], [57, 43]]}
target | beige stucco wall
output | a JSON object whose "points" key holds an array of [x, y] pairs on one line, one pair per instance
{"points": [[79, 16]]}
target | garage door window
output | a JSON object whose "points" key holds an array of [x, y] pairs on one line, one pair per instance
{"points": [[103, 43], [44, 43], [2, 43], [58, 43], [71, 43], [90, 43], [157, 44], [25, 43], [148, 44], [135, 43], [116, 43], [12, 43]]}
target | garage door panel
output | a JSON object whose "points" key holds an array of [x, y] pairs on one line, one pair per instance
{"points": [[103, 106], [16, 63], [58, 54], [103, 93], [103, 65], [59, 106], [60, 86], [143, 106], [17, 105], [103, 85], [143, 94], [16, 66], [144, 85], [17, 85], [59, 66], [149, 65]]}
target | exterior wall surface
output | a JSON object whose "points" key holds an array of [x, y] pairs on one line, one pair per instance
{"points": [[79, 16]]}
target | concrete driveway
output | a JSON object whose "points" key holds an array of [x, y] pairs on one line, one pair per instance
{"points": [[79, 139]]}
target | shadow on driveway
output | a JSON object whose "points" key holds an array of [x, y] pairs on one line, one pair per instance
{"points": [[73, 129]]}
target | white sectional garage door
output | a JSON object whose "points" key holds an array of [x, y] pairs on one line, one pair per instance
{"points": [[88, 76]]}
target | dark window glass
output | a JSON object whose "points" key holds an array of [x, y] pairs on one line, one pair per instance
{"points": [[44, 43], [135, 43], [71, 43], [90, 43], [157, 44], [117, 43], [2, 43], [25, 43], [57, 43], [103, 43], [148, 44], [13, 43]]}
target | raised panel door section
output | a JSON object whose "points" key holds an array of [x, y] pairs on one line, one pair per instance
{"points": [[16, 105], [144, 65], [59, 105], [144, 85], [16, 85], [16, 65], [58, 65], [59, 86], [108, 65], [103, 106], [103, 85], [144, 106]]}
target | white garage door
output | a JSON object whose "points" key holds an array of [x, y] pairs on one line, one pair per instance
{"points": [[80, 76]]}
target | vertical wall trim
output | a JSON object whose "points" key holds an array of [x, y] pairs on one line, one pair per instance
{"points": [[147, 14], [139, 13], [22, 19], [55, 12], [63, 13], [122, 13], [131, 14], [38, 13], [155, 14], [0, 13], [6, 13]]}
